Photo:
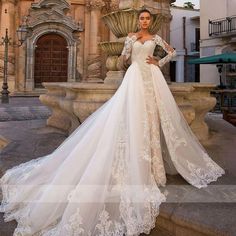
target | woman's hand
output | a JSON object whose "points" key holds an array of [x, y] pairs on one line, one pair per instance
{"points": [[152, 60]]}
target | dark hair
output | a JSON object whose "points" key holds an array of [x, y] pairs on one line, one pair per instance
{"points": [[142, 11]]}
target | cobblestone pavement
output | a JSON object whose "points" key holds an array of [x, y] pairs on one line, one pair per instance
{"points": [[23, 108]]}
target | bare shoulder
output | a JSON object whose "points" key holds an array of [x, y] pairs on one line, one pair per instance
{"points": [[131, 34]]}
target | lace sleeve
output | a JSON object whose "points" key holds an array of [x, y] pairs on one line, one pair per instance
{"points": [[128, 46], [169, 50]]}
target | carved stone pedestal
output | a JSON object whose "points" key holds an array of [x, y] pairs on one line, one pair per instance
{"points": [[72, 103], [114, 77]]}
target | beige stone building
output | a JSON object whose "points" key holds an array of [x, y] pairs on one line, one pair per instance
{"points": [[61, 43], [62, 40]]}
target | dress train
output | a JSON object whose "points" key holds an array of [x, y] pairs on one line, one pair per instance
{"points": [[104, 178]]}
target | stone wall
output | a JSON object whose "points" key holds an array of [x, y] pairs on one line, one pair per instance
{"points": [[78, 21]]}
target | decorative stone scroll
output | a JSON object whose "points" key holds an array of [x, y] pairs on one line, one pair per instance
{"points": [[96, 4], [114, 5], [50, 16]]}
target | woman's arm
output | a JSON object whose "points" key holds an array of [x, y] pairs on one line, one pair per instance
{"points": [[130, 39], [169, 50]]}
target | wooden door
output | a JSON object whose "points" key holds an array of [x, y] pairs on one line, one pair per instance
{"points": [[51, 59]]}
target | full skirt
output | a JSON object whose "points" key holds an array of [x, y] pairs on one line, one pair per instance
{"points": [[105, 178]]}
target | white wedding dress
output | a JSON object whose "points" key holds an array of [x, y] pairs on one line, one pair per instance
{"points": [[104, 178]]}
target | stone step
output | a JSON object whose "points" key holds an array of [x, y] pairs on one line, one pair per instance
{"points": [[158, 231], [34, 93], [186, 223]]}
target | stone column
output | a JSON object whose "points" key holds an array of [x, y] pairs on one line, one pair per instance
{"points": [[179, 73], [86, 39], [94, 62]]}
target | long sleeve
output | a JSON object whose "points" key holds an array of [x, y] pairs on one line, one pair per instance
{"points": [[169, 50], [128, 46]]}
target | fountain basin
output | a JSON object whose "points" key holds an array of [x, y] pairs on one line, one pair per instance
{"points": [[112, 48], [72, 103], [123, 22]]}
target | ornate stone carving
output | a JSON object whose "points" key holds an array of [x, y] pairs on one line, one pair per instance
{"points": [[50, 16], [9, 1], [48, 11], [97, 4], [94, 68], [114, 5]]}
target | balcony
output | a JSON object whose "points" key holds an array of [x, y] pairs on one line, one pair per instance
{"points": [[222, 26]]}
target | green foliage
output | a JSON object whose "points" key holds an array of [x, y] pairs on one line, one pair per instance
{"points": [[189, 5]]}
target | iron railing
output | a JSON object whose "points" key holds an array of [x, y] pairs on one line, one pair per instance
{"points": [[222, 26]]}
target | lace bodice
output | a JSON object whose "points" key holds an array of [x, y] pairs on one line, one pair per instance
{"points": [[140, 51]]}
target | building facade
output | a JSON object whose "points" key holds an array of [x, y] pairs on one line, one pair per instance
{"points": [[184, 37], [218, 35], [62, 43]]}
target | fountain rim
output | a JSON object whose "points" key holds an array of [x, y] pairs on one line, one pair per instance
{"points": [[131, 10], [120, 10]]}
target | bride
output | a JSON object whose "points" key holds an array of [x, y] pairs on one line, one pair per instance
{"points": [[105, 178]]}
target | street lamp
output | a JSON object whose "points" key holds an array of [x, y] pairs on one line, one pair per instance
{"points": [[6, 41]]}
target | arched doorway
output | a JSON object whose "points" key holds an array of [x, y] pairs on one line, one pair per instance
{"points": [[51, 60]]}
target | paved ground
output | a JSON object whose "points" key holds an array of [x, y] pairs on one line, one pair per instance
{"points": [[212, 209], [23, 108]]}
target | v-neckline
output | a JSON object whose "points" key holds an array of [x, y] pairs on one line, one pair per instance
{"points": [[151, 39]]}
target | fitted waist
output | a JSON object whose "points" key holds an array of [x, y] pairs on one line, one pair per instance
{"points": [[145, 69]]}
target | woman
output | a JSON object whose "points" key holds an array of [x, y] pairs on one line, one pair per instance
{"points": [[104, 179]]}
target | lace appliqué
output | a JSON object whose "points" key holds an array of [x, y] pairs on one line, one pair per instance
{"points": [[119, 166], [143, 218], [202, 177], [106, 227], [128, 46], [74, 225], [9, 191], [151, 123], [169, 50], [198, 177], [173, 141]]}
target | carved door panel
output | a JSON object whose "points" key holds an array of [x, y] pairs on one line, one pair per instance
{"points": [[51, 59]]}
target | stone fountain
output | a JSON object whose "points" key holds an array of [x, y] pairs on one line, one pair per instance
{"points": [[72, 103], [121, 23]]}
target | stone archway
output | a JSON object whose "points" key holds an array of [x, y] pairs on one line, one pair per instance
{"points": [[51, 59], [48, 17]]}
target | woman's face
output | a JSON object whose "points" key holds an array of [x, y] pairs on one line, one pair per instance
{"points": [[144, 20]]}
